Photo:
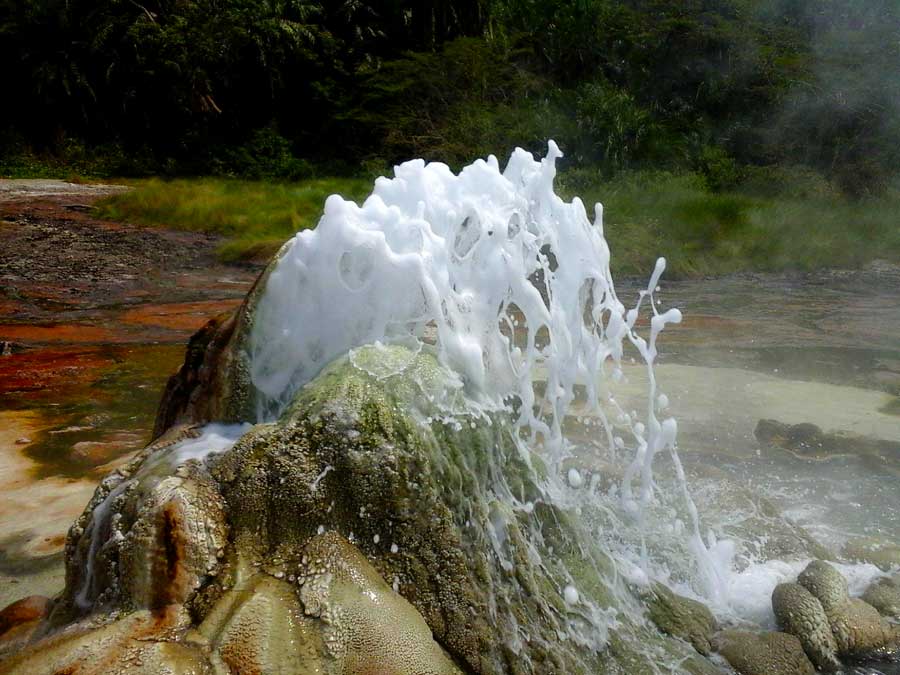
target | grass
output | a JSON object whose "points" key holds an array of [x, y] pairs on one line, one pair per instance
{"points": [[255, 217], [779, 221], [787, 222]]}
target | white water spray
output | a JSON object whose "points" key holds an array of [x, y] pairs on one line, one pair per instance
{"points": [[211, 439], [513, 282]]}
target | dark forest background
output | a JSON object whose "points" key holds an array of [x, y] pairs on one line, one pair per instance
{"points": [[295, 88]]}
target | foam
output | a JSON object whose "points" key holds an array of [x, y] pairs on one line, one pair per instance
{"points": [[476, 257], [748, 593], [514, 286]]}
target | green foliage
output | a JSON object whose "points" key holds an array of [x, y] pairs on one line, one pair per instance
{"points": [[718, 168], [792, 221], [254, 217], [616, 131], [467, 100], [271, 89], [265, 155]]}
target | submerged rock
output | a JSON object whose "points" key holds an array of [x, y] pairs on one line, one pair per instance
{"points": [[809, 441], [879, 552]]}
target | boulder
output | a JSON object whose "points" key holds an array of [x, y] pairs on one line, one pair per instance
{"points": [[829, 623], [763, 653], [681, 617], [800, 613], [884, 595], [858, 628], [378, 522]]}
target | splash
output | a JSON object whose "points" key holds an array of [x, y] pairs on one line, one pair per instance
{"points": [[211, 439], [510, 282]]}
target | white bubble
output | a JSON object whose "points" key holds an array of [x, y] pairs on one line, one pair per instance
{"points": [[575, 478]]}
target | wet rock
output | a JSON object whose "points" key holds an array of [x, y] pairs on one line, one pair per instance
{"points": [[259, 626], [141, 643], [18, 622], [809, 441], [879, 552], [763, 653], [858, 628], [27, 609], [828, 622], [352, 455], [95, 453], [681, 617], [214, 384], [884, 595], [368, 626], [147, 540], [801, 614], [359, 529]]}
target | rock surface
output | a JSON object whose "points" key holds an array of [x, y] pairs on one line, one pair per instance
{"points": [[800, 613], [884, 595], [809, 441], [360, 530], [763, 653], [829, 623], [879, 552], [681, 617]]}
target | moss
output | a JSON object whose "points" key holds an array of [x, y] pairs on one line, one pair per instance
{"points": [[446, 508], [681, 617]]}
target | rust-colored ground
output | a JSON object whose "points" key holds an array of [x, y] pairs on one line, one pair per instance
{"points": [[94, 317]]}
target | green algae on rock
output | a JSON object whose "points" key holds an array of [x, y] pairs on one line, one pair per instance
{"points": [[681, 617], [372, 482]]}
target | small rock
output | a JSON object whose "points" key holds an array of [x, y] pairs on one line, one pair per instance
{"points": [[820, 594], [800, 613], [23, 441]]}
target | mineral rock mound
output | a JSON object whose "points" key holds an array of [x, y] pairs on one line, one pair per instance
{"points": [[378, 522]]}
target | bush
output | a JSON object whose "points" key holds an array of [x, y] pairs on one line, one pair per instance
{"points": [[265, 155], [719, 170], [615, 130]]}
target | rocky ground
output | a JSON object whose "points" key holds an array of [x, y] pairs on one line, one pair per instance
{"points": [[94, 317]]}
